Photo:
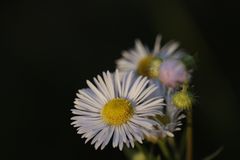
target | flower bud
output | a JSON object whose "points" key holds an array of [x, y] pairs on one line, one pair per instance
{"points": [[172, 72]]}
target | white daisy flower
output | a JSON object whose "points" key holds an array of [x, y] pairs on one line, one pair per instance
{"points": [[171, 121], [145, 62], [149, 63], [116, 108], [174, 114]]}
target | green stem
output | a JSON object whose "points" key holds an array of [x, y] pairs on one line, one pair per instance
{"points": [[183, 141], [151, 152], [189, 134], [172, 143], [164, 149]]}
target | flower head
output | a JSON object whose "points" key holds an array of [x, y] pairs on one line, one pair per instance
{"points": [[162, 63], [173, 72], [145, 62], [170, 121], [182, 99], [116, 108]]}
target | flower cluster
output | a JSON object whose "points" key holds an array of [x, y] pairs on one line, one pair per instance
{"points": [[143, 99]]}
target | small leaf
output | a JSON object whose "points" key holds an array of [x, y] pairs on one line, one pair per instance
{"points": [[189, 61]]}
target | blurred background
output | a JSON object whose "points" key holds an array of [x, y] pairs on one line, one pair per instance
{"points": [[49, 48]]}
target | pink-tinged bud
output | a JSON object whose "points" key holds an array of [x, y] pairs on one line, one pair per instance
{"points": [[172, 72]]}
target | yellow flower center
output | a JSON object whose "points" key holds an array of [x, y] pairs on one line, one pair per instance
{"points": [[149, 66], [182, 100], [117, 111]]}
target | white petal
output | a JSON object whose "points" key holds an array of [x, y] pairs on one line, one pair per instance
{"points": [[102, 136], [128, 134], [109, 136], [87, 106], [97, 92], [115, 137], [132, 90], [136, 132], [157, 45], [128, 83], [100, 84], [146, 93], [109, 83], [84, 113], [142, 122], [87, 94], [118, 85], [140, 48], [151, 102], [141, 86]]}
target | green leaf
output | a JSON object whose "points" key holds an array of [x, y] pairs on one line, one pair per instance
{"points": [[189, 61]]}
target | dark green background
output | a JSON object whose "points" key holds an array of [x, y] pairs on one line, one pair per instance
{"points": [[49, 48]]}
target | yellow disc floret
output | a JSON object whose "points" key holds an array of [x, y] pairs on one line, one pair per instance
{"points": [[117, 111], [182, 100], [149, 66]]}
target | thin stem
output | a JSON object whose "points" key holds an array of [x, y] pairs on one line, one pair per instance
{"points": [[189, 134], [172, 143], [183, 143], [165, 151], [151, 152]]}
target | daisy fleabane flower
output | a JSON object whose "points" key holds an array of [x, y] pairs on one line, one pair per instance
{"points": [[173, 114], [170, 122], [145, 62], [116, 108], [161, 63]]}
